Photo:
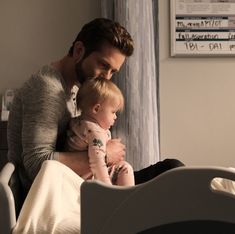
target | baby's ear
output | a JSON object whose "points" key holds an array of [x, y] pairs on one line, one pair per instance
{"points": [[96, 108]]}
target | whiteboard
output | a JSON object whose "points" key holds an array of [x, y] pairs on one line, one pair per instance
{"points": [[202, 27]]}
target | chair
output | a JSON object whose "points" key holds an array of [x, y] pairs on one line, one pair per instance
{"points": [[7, 201]]}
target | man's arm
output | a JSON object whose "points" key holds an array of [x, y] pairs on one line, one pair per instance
{"points": [[44, 113]]}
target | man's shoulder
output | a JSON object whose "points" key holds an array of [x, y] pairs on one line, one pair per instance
{"points": [[47, 74], [45, 78]]}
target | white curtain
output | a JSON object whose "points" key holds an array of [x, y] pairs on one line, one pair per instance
{"points": [[137, 126]]}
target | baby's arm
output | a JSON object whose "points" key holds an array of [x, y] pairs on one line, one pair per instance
{"points": [[96, 154]]}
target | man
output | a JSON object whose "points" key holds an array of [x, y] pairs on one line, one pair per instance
{"points": [[45, 103]]}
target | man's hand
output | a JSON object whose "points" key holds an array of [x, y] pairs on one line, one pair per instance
{"points": [[115, 151]]}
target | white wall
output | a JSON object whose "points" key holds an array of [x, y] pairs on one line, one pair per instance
{"points": [[36, 32], [197, 104]]}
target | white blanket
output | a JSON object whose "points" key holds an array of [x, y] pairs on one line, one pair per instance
{"points": [[53, 202]]}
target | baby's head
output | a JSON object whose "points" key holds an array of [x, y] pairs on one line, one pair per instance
{"points": [[100, 98]]}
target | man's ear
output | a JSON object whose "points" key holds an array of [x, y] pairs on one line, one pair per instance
{"points": [[96, 108], [78, 51]]}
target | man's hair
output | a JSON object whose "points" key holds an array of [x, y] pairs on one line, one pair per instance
{"points": [[96, 91], [101, 30]]}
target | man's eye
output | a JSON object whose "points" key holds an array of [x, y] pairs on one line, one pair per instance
{"points": [[105, 66]]}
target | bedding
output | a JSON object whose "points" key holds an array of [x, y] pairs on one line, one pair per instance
{"points": [[53, 202]]}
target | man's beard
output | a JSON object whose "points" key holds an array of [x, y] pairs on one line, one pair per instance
{"points": [[81, 77]]}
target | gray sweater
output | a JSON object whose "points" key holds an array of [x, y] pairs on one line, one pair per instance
{"points": [[37, 122]]}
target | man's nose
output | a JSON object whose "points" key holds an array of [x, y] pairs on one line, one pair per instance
{"points": [[106, 75]]}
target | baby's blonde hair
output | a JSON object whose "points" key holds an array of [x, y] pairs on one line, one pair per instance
{"points": [[98, 90]]}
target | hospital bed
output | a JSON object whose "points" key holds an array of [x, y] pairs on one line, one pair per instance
{"points": [[182, 200]]}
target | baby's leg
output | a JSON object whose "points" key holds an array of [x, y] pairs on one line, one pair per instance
{"points": [[123, 174]]}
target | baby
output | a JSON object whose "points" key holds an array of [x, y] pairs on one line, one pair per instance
{"points": [[98, 100]]}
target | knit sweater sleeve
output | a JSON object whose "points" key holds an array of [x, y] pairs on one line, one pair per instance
{"points": [[43, 105]]}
